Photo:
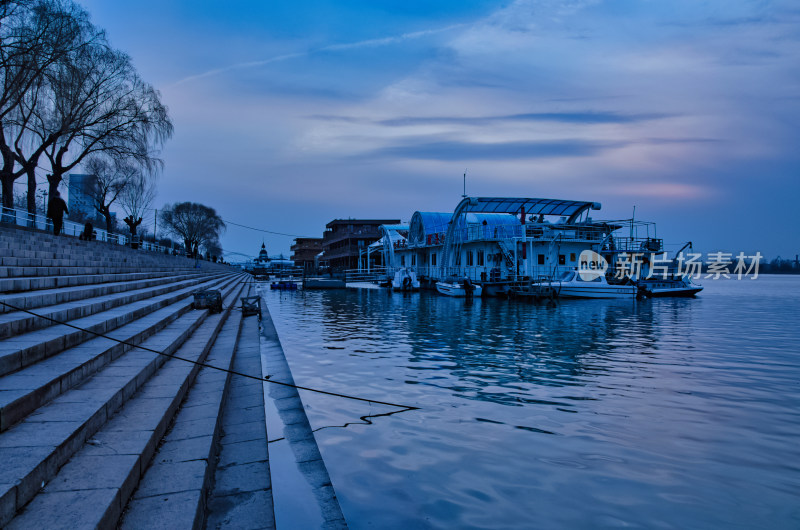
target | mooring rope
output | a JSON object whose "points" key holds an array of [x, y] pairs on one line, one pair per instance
{"points": [[205, 365]]}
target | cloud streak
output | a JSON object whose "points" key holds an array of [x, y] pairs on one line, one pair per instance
{"points": [[453, 150], [369, 43]]}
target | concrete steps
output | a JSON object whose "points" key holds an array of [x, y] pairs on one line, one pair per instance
{"points": [[174, 489], [15, 323], [23, 350], [47, 297], [105, 430], [31, 387], [35, 283]]}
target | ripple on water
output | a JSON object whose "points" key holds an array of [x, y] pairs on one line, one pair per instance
{"points": [[663, 413]]}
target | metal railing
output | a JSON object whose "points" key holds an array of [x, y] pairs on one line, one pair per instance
{"points": [[16, 217], [373, 275]]}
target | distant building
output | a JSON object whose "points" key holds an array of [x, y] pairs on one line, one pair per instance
{"points": [[304, 250], [345, 238], [81, 192], [263, 258]]}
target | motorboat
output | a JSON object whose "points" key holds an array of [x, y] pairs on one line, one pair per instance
{"points": [[664, 287], [283, 285], [405, 280], [458, 287], [574, 284]]}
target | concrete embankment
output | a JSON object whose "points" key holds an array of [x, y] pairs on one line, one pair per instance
{"points": [[95, 432]]}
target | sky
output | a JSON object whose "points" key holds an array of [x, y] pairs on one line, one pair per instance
{"points": [[289, 114]]}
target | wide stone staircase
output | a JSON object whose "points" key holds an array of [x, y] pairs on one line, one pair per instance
{"points": [[109, 413]]}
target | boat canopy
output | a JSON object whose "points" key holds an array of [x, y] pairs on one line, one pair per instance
{"points": [[424, 224], [394, 236], [514, 205], [570, 211]]}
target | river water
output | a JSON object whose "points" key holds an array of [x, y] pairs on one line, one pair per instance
{"points": [[668, 413]]}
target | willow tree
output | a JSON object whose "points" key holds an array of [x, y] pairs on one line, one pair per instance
{"points": [[105, 107], [136, 198], [34, 35]]}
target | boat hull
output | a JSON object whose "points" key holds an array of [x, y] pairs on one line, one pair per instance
{"points": [[686, 292], [608, 291], [457, 289]]}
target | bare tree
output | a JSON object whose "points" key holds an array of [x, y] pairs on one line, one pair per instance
{"points": [[136, 198], [197, 224], [34, 34], [111, 177], [104, 107]]}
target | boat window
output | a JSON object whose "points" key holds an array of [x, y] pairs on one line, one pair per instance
{"points": [[413, 259], [567, 276], [541, 259], [562, 259], [589, 278], [433, 258], [572, 256], [402, 261], [480, 258], [469, 258]]}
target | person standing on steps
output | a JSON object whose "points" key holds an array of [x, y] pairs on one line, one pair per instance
{"points": [[56, 209]]}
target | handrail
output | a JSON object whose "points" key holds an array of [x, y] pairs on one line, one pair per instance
{"points": [[23, 218]]}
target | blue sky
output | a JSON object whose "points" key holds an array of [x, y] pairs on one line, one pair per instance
{"points": [[290, 114]]}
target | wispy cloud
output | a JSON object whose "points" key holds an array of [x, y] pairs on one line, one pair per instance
{"points": [[369, 43], [454, 150], [560, 117]]}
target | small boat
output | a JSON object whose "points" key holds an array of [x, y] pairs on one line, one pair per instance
{"points": [[283, 285], [458, 287], [405, 280], [572, 284], [664, 287]]}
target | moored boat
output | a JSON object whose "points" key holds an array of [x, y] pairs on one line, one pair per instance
{"points": [[458, 287], [405, 280], [668, 287], [573, 284]]}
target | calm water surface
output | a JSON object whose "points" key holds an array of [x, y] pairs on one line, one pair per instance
{"points": [[657, 414]]}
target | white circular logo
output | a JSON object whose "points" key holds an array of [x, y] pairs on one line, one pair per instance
{"points": [[591, 265]]}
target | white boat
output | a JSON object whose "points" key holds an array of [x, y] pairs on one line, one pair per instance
{"points": [[405, 280], [664, 287], [572, 284], [460, 288]]}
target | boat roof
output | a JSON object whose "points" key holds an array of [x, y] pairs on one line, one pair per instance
{"points": [[425, 223], [532, 206]]}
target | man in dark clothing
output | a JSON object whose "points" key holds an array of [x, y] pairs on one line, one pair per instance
{"points": [[56, 209]]}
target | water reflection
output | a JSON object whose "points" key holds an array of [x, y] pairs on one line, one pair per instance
{"points": [[492, 350], [662, 413]]}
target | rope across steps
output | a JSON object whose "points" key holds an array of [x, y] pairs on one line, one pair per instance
{"points": [[17, 322], [30, 388], [48, 297], [29, 348], [132, 401], [175, 486]]}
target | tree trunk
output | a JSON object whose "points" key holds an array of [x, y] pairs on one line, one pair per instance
{"points": [[31, 171], [109, 221], [54, 179], [8, 190], [7, 177]]}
